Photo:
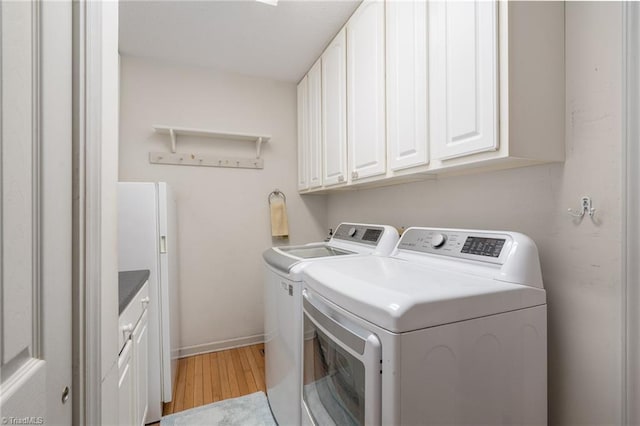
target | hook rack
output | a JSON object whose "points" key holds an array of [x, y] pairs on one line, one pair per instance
{"points": [[585, 208], [277, 193]]}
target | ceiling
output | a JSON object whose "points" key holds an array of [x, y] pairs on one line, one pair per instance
{"points": [[242, 36]]}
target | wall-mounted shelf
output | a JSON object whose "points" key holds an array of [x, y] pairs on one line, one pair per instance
{"points": [[188, 159]]}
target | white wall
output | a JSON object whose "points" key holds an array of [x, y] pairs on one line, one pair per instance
{"points": [[632, 194], [580, 262], [223, 216]]}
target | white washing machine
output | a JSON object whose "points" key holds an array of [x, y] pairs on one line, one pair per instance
{"points": [[449, 329], [283, 306]]}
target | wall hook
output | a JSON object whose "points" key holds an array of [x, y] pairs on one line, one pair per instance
{"points": [[585, 208]]}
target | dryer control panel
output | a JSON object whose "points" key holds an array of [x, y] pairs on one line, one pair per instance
{"points": [[482, 246], [364, 234]]}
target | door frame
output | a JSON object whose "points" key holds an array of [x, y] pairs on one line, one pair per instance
{"points": [[630, 277], [87, 90]]}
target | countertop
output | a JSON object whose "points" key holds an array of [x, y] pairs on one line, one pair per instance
{"points": [[129, 283]]}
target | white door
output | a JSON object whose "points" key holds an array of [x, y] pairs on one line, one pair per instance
{"points": [[365, 91], [314, 152], [407, 119], [303, 132], [35, 211], [334, 111], [463, 67]]}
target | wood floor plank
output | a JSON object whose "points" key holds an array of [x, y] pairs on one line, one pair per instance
{"points": [[231, 374], [216, 385], [243, 388], [207, 389], [255, 370], [189, 389], [206, 378], [198, 391], [246, 369], [181, 380], [224, 376]]}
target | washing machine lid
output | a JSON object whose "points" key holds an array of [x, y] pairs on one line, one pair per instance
{"points": [[313, 251], [402, 296], [349, 239], [285, 259]]}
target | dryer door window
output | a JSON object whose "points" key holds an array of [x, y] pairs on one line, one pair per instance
{"points": [[334, 381], [341, 369]]}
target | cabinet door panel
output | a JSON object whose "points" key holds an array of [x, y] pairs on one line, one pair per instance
{"points": [[407, 120], [463, 77], [303, 182], [365, 86], [141, 360], [126, 389], [314, 150], [334, 111]]}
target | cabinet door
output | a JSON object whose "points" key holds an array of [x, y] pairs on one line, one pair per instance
{"points": [[140, 339], [365, 91], [303, 182], [334, 111], [407, 129], [126, 389], [314, 100], [463, 67]]}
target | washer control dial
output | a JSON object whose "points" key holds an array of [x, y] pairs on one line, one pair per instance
{"points": [[438, 240], [352, 231]]}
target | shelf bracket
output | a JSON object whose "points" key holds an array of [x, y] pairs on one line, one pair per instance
{"points": [[172, 133], [258, 147]]}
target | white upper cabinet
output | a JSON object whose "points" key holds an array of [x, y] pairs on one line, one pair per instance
{"points": [[303, 169], [310, 129], [314, 110], [463, 65], [366, 91], [407, 117], [434, 88], [334, 111]]}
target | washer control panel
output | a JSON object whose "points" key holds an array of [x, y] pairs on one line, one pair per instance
{"points": [[359, 233], [487, 247], [483, 246]]}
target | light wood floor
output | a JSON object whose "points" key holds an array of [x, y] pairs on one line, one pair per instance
{"points": [[203, 379]]}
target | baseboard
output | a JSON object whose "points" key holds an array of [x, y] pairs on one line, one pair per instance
{"points": [[219, 346]]}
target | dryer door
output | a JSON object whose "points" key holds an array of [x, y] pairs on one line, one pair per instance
{"points": [[341, 368]]}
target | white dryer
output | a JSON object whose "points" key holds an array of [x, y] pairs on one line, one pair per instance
{"points": [[283, 306], [449, 329]]}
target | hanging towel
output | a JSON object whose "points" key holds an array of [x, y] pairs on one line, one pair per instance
{"points": [[279, 220]]}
